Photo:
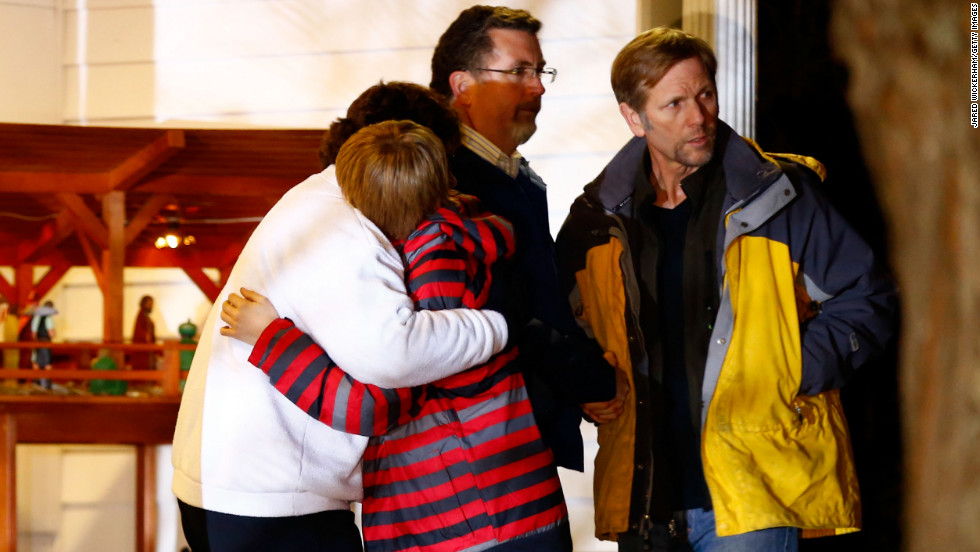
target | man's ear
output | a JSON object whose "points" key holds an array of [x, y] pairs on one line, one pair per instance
{"points": [[460, 82], [633, 120]]}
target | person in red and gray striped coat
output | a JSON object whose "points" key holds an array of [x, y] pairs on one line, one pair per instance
{"points": [[458, 464]]}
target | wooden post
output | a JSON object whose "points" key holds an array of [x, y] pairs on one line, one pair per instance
{"points": [[146, 498], [8, 483], [113, 258], [171, 368], [24, 281]]}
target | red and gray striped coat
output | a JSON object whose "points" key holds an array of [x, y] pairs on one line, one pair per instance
{"points": [[456, 464]]}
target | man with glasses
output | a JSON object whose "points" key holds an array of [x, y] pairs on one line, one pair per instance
{"points": [[489, 63]]}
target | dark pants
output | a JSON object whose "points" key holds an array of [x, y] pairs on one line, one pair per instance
{"points": [[331, 531], [558, 539]]}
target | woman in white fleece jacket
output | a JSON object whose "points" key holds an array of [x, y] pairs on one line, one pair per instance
{"points": [[252, 472]]}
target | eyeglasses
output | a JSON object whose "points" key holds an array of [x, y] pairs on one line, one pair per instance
{"points": [[525, 73]]}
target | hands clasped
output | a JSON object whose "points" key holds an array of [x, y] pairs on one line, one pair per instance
{"points": [[607, 411], [246, 315]]}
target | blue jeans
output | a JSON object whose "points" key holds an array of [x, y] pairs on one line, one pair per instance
{"points": [[701, 535]]}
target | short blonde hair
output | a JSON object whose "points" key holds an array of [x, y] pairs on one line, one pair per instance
{"points": [[395, 173], [641, 64]]}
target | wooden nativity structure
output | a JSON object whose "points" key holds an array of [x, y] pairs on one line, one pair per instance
{"points": [[100, 198]]}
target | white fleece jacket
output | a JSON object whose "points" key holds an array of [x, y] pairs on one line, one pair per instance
{"points": [[239, 446]]}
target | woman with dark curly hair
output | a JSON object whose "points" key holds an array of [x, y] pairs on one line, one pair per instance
{"points": [[252, 471], [391, 102], [455, 465]]}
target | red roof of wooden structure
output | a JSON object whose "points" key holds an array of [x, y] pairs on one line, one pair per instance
{"points": [[99, 197]]}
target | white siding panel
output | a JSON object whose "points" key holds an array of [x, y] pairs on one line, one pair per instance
{"points": [[320, 119], [260, 62], [109, 36], [573, 126], [202, 30], [580, 18], [208, 88], [292, 27], [282, 84], [71, 5], [30, 70], [140, 31], [265, 87], [296, 119], [76, 498], [105, 528], [32, 3], [109, 92], [583, 65], [38, 497], [38, 488], [92, 475]]}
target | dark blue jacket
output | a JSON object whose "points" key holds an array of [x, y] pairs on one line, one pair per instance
{"points": [[562, 368]]}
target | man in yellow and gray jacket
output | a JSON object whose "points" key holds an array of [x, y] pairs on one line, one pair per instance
{"points": [[736, 302]]}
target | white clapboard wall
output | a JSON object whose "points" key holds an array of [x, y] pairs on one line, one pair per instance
{"points": [[299, 63]]}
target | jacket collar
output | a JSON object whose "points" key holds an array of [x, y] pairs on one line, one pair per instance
{"points": [[747, 171]]}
